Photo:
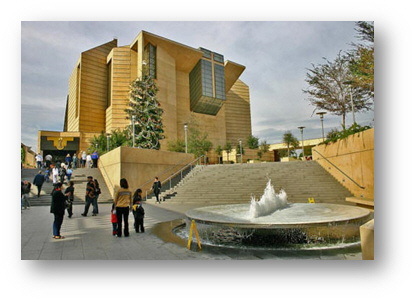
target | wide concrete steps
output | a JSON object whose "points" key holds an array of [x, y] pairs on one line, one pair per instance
{"points": [[79, 177], [237, 183]]}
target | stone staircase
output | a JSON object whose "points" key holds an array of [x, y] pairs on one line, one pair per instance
{"points": [[222, 184], [79, 177]]}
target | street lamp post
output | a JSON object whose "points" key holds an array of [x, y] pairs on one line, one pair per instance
{"points": [[241, 152], [352, 106], [321, 114], [186, 137], [133, 121], [301, 135]]}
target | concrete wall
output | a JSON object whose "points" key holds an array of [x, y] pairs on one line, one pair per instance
{"points": [[139, 166], [355, 157]]}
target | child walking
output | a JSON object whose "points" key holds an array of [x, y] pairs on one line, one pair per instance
{"points": [[138, 211], [114, 219]]}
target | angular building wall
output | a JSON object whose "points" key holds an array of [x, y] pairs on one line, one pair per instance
{"points": [[213, 97]]}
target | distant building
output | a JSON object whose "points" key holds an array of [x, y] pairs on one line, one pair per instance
{"points": [[193, 84]]}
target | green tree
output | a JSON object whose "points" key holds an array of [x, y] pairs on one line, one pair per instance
{"points": [[176, 146], [252, 142], [291, 141], [263, 148], [329, 89], [218, 151], [362, 58], [227, 148], [98, 143], [144, 105], [198, 142]]}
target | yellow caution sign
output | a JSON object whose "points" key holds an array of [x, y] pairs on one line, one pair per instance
{"points": [[311, 200], [193, 226]]}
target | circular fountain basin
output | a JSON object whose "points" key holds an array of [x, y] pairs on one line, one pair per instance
{"points": [[294, 224]]}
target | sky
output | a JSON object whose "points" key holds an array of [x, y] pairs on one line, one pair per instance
{"points": [[276, 56]]}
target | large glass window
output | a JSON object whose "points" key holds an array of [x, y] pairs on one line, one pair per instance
{"points": [[207, 84], [150, 59]]}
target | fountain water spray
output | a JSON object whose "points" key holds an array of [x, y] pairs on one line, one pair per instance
{"points": [[269, 203]]}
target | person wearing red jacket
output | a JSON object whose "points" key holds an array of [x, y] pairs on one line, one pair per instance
{"points": [[114, 219]]}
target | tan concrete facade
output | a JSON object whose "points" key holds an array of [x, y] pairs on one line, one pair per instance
{"points": [[355, 157], [99, 87], [139, 166]]}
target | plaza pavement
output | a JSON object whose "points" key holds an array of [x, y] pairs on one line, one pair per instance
{"points": [[90, 238]]}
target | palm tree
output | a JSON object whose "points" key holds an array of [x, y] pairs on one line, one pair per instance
{"points": [[291, 141]]}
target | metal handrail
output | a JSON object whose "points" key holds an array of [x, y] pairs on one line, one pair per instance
{"points": [[163, 173], [174, 174], [361, 187]]}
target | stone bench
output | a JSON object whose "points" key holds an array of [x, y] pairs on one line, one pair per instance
{"points": [[362, 202]]}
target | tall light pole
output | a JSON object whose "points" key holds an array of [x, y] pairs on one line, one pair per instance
{"points": [[349, 83], [321, 114], [241, 152], [185, 126], [301, 135], [133, 121], [352, 105]]}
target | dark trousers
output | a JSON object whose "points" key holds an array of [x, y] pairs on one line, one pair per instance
{"points": [[88, 202], [94, 163], [69, 208], [138, 223], [39, 189], [122, 214], [157, 196], [56, 226]]}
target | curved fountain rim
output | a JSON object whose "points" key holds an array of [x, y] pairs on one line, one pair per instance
{"points": [[268, 225]]}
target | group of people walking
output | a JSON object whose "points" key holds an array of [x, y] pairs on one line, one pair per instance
{"points": [[124, 202]]}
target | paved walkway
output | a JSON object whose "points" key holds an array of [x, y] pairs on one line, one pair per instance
{"points": [[90, 238]]}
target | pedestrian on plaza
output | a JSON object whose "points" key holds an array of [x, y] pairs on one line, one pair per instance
{"points": [[47, 173], [94, 158], [68, 160], [48, 159], [114, 219], [97, 194], [58, 205], [138, 211], [123, 201], [62, 173], [39, 160], [68, 174], [55, 173], [156, 188], [89, 195], [74, 161], [25, 190], [69, 193], [88, 160], [38, 181], [83, 159]]}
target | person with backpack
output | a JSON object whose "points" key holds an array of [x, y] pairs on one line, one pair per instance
{"points": [[89, 195], [138, 211], [62, 173], [38, 181], [25, 190], [95, 201]]}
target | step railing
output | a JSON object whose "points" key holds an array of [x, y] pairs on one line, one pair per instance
{"points": [[175, 174], [357, 184]]}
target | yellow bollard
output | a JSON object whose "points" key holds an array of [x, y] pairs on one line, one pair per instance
{"points": [[311, 200], [193, 226]]}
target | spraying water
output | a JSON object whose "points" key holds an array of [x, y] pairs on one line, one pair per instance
{"points": [[268, 203]]}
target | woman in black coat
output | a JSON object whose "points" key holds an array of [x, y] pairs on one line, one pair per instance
{"points": [[58, 206]]}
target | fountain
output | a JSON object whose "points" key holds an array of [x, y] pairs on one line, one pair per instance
{"points": [[273, 222]]}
